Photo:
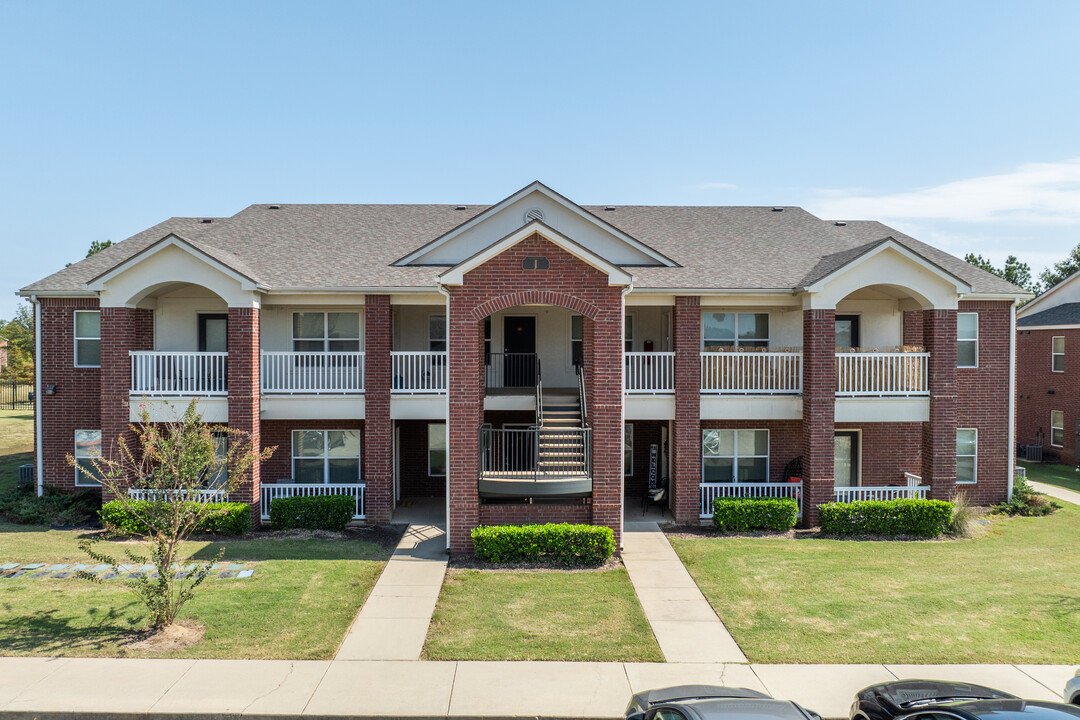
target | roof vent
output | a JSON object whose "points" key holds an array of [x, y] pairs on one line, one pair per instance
{"points": [[840, 223], [534, 213], [207, 221], [460, 207], [778, 209], [609, 209], [275, 207]]}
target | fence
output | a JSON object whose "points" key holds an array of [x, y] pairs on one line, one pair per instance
{"points": [[15, 395]]}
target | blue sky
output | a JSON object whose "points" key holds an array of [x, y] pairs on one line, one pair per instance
{"points": [[957, 122]]}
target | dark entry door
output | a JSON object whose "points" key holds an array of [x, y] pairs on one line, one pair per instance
{"points": [[846, 459], [847, 331], [213, 333], [519, 344]]}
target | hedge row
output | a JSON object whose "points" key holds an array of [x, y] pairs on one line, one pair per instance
{"points": [[320, 512], [223, 518], [562, 543], [742, 514], [925, 518]]}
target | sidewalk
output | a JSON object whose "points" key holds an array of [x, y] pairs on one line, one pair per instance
{"points": [[51, 688], [1056, 492]]}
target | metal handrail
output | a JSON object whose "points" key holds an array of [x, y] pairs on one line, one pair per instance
{"points": [[581, 394], [520, 454], [539, 396], [510, 370]]}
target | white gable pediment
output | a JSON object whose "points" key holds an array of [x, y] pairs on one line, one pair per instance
{"points": [[535, 203]]}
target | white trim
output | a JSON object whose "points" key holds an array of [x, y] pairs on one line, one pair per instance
{"points": [[446, 414], [446, 446], [625, 471], [735, 458], [1026, 310], [890, 244], [975, 467], [555, 197], [1054, 354], [997, 297], [974, 340], [76, 456], [456, 274], [37, 397], [858, 458], [76, 338], [174, 240], [325, 339], [1052, 426], [735, 346], [446, 328], [1012, 399], [1022, 328], [325, 457]]}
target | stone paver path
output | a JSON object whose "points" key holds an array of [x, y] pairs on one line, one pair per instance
{"points": [[393, 623], [685, 625], [1056, 492]]}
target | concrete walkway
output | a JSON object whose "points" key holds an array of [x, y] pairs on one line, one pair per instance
{"points": [[685, 625], [1056, 492], [393, 622], [54, 688]]}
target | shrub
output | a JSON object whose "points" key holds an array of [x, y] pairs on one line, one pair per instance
{"points": [[963, 516], [741, 514], [925, 518], [223, 518], [320, 512], [563, 543], [55, 507], [1025, 501]]}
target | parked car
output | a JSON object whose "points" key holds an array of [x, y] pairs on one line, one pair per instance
{"points": [[1072, 690], [704, 702], [937, 700]]}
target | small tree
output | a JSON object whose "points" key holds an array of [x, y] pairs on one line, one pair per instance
{"points": [[177, 463]]}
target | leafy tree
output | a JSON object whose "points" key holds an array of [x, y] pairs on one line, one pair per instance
{"points": [[1016, 272], [174, 462], [19, 332], [1051, 276], [96, 246]]}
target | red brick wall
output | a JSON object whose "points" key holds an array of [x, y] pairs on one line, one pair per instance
{"points": [[77, 402], [579, 512], [785, 441], [122, 330], [501, 283], [686, 430], [913, 328], [278, 433], [415, 481], [888, 451], [1039, 390], [244, 403], [939, 435], [819, 406], [379, 461]]}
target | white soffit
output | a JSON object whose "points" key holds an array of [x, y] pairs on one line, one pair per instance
{"points": [[528, 205], [172, 240]]}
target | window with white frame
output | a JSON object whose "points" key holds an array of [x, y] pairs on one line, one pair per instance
{"points": [[628, 449], [1057, 428], [436, 449], [1057, 353], [87, 447], [731, 331], [735, 456], [628, 333], [221, 455], [576, 347], [967, 460], [437, 333], [87, 338], [326, 456], [967, 340], [326, 332]]}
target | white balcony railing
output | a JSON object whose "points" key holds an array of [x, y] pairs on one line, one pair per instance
{"points": [[751, 373], [882, 374], [312, 373], [895, 492], [649, 373], [204, 496], [418, 372], [178, 373], [711, 491], [271, 492]]}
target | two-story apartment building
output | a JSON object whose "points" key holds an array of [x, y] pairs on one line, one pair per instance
{"points": [[536, 360]]}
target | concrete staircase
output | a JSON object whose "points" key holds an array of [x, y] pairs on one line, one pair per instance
{"points": [[562, 450]]}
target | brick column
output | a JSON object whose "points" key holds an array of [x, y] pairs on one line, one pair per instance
{"points": [[819, 410], [122, 330], [465, 382], [913, 327], [939, 435], [686, 433], [604, 365], [378, 464], [243, 386]]}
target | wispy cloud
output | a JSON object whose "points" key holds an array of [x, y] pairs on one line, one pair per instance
{"points": [[1037, 193]]}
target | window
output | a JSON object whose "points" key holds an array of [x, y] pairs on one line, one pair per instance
{"points": [[326, 332], [87, 447], [735, 456], [437, 333], [87, 338], [487, 340], [221, 455], [730, 331], [436, 449], [1057, 428], [967, 340], [576, 352], [628, 449], [967, 445], [1057, 353], [628, 333], [326, 456]]}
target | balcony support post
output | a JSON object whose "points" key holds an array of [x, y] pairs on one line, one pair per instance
{"points": [[939, 435], [243, 386], [819, 410], [378, 462], [123, 329], [686, 433]]}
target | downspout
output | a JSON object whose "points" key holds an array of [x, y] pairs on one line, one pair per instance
{"points": [[622, 409], [1012, 396], [40, 469], [446, 293]]}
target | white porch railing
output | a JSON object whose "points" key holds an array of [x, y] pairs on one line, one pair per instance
{"points": [[880, 374], [312, 373], [751, 373], [178, 373], [288, 490], [418, 372], [853, 494], [200, 495], [711, 491], [649, 373]]}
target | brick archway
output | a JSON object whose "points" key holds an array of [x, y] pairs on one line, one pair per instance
{"points": [[536, 297]]}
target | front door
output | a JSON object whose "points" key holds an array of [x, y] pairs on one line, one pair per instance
{"points": [[519, 344], [847, 331], [213, 333], [846, 459]]}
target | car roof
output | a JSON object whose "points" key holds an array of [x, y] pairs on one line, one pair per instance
{"points": [[1013, 709], [694, 692], [745, 709]]}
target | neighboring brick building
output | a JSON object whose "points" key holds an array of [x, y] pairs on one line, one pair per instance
{"points": [[536, 360]]}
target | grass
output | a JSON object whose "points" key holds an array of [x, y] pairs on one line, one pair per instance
{"points": [[16, 445], [486, 615], [1006, 597], [298, 605], [1065, 476]]}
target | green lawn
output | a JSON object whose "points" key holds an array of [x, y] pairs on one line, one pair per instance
{"points": [[1009, 596], [16, 445], [1065, 476], [298, 605], [485, 615]]}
